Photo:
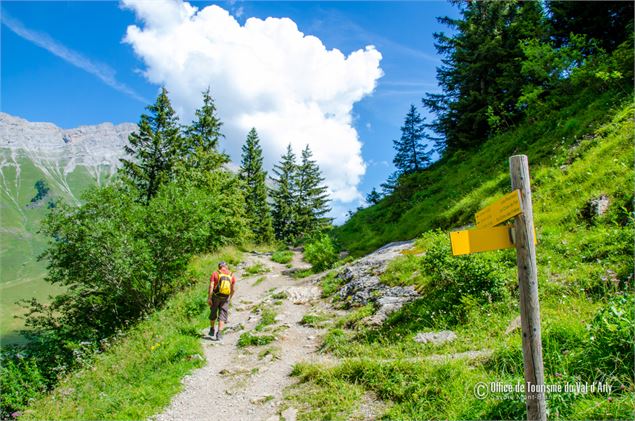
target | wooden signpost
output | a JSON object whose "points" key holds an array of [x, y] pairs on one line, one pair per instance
{"points": [[490, 236]]}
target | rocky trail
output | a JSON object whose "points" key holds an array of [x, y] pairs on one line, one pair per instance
{"points": [[248, 383]]}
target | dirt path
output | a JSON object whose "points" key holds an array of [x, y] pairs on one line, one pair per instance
{"points": [[247, 383]]}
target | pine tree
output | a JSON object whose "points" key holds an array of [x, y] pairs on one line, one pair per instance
{"points": [[203, 137], [155, 148], [253, 176], [283, 196], [312, 197], [411, 153]]}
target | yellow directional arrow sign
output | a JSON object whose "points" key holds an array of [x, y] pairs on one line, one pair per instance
{"points": [[474, 241], [500, 211]]}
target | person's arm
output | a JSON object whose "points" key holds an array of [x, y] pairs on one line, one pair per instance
{"points": [[231, 294], [210, 290]]}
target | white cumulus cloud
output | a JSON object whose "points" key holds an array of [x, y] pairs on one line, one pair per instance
{"points": [[265, 74]]}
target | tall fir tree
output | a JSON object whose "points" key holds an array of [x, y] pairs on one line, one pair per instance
{"points": [[253, 176], [481, 72], [283, 195], [312, 197], [203, 135], [155, 148], [412, 154]]}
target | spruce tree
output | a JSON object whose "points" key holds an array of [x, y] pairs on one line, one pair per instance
{"points": [[312, 197], [481, 72], [283, 195], [253, 176], [203, 136], [411, 153], [154, 148]]}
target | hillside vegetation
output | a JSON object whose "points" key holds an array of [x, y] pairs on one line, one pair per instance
{"points": [[585, 279], [451, 191]]}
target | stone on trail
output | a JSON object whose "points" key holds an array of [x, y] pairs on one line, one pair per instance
{"points": [[435, 338], [302, 295], [290, 414]]}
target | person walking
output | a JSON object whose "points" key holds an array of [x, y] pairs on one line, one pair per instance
{"points": [[222, 286]]}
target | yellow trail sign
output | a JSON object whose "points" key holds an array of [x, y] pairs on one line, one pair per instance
{"points": [[500, 211], [486, 239]]}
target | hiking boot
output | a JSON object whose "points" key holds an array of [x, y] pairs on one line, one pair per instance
{"points": [[211, 333], [219, 336]]}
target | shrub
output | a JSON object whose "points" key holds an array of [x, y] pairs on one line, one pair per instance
{"points": [[20, 382], [282, 256], [320, 253], [609, 349]]}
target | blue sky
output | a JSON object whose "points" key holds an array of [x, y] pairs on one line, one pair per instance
{"points": [[100, 78]]}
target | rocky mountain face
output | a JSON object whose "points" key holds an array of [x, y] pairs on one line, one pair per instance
{"points": [[57, 152], [41, 164]]}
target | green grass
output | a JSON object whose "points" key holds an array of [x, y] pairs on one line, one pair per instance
{"points": [[282, 256], [21, 273], [141, 371], [267, 318], [449, 193], [584, 274], [330, 284], [249, 339], [259, 281], [281, 295], [316, 320], [256, 269]]}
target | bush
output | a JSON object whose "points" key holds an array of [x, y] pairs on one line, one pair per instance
{"points": [[20, 382], [320, 253], [282, 256], [609, 349]]}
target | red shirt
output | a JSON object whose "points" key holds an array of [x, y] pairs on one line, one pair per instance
{"points": [[215, 278]]}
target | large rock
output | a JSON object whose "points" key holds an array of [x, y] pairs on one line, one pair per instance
{"points": [[363, 286]]}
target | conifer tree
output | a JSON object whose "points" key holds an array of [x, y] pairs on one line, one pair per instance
{"points": [[283, 195], [253, 176], [481, 72], [411, 153], [373, 197], [203, 136], [154, 148], [312, 197]]}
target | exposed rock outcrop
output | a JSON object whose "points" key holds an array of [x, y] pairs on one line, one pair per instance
{"points": [[363, 285]]}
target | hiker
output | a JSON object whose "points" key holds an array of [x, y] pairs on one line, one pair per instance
{"points": [[222, 285]]}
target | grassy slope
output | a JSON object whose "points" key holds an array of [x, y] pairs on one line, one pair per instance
{"points": [[21, 274], [451, 191], [577, 155], [141, 371]]}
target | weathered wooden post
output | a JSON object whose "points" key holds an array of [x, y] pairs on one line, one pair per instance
{"points": [[528, 287]]}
